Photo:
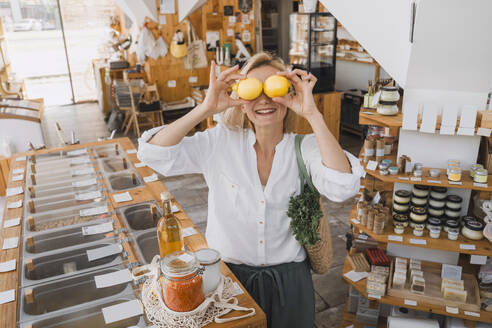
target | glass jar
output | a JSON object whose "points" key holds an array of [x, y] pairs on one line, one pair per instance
{"points": [[419, 201], [453, 233], [181, 281], [399, 227], [402, 196], [433, 222], [454, 174], [399, 207], [467, 218], [453, 202], [481, 176], [418, 229], [387, 107], [417, 173], [435, 173], [418, 166], [434, 232], [438, 192], [473, 229], [389, 94], [436, 211], [209, 259], [474, 168], [420, 190], [418, 214], [393, 170], [451, 224], [400, 219], [452, 212], [383, 172], [438, 203]]}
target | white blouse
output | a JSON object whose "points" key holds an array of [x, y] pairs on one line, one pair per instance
{"points": [[247, 224]]}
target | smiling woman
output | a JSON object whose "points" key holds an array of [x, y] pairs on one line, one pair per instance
{"points": [[250, 165]]}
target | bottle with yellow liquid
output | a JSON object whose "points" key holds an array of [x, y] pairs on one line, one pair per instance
{"points": [[168, 228]]}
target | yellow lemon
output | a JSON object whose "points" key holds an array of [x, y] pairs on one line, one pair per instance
{"points": [[276, 86], [249, 88], [234, 87]]}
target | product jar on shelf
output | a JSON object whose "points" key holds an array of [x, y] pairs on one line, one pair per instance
{"points": [[210, 260], [181, 281]]}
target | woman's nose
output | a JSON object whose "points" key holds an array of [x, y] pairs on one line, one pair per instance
{"points": [[263, 99]]}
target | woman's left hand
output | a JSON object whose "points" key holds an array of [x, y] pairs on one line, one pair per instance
{"points": [[302, 102]]}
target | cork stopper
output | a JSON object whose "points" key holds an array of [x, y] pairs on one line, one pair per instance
{"points": [[31, 191], [30, 265], [125, 164], [116, 151], [134, 178], [29, 296], [30, 222]]}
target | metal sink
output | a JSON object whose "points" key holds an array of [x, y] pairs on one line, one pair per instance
{"points": [[110, 150], [44, 268], [51, 203], [146, 245], [88, 317], [49, 241], [124, 180], [115, 164], [140, 217], [39, 300]]}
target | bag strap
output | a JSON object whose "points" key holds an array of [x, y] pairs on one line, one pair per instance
{"points": [[303, 173]]}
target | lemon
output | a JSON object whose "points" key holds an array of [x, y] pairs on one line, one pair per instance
{"points": [[276, 86], [234, 87], [249, 88]]}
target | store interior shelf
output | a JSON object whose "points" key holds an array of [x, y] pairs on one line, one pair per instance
{"points": [[426, 180], [360, 286], [462, 245], [371, 117], [350, 319]]}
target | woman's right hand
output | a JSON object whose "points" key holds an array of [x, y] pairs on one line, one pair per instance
{"points": [[217, 98]]}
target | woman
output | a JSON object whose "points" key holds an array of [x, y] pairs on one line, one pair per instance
{"points": [[249, 163]]}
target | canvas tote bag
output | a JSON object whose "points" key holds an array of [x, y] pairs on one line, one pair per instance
{"points": [[197, 50]]}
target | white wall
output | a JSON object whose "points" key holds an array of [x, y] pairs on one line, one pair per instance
{"points": [[352, 75]]}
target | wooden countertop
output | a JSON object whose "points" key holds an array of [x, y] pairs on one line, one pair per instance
{"points": [[152, 190]]}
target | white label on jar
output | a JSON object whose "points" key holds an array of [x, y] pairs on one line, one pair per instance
{"points": [[416, 179], [368, 151], [418, 241], [94, 211], [77, 152], [434, 181], [379, 152], [395, 238], [101, 252], [410, 302], [386, 131], [455, 182], [88, 195], [403, 178], [467, 247], [185, 257], [453, 310], [97, 229], [84, 183], [113, 278], [374, 296], [355, 221], [83, 171], [122, 311], [482, 185], [472, 314]]}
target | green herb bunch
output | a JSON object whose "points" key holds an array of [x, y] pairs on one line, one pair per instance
{"points": [[305, 213]]}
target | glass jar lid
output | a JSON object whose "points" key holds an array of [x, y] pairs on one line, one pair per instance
{"points": [[453, 209], [421, 187], [468, 218], [452, 224], [434, 221], [436, 208], [179, 264], [402, 193], [400, 212], [475, 167], [423, 198], [474, 225], [400, 217], [387, 88], [418, 210], [207, 256], [388, 103], [481, 172], [456, 170], [440, 190], [418, 222], [454, 199]]}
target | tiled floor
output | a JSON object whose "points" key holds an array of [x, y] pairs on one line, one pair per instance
{"points": [[191, 192]]}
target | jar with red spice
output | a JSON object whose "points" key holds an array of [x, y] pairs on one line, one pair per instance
{"points": [[181, 281]]}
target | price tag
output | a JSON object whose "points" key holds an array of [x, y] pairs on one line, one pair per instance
{"points": [[88, 195], [230, 32], [171, 84], [97, 229], [84, 183], [8, 266], [410, 302], [83, 171], [122, 311], [18, 177], [151, 178], [363, 237], [374, 296], [478, 259], [18, 171], [77, 152], [434, 181], [16, 204], [467, 247], [20, 159], [193, 79], [418, 241], [455, 183], [472, 314], [11, 223], [403, 178], [481, 185], [9, 243], [355, 221], [452, 310], [102, 252], [416, 179], [80, 160], [483, 132], [7, 296], [188, 232], [14, 191], [123, 197], [395, 238], [94, 211], [113, 278], [139, 164], [237, 290], [131, 151], [356, 276]]}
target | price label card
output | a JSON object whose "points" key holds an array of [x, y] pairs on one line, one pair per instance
{"points": [[356, 276], [102, 252], [472, 314], [355, 221], [88, 195], [395, 238], [18, 177], [93, 211], [7, 296], [363, 237], [16, 204], [18, 171], [151, 178], [88, 170], [418, 241], [20, 158], [9, 243], [193, 79], [77, 152], [122, 311], [416, 179], [140, 164], [84, 183], [481, 185], [14, 191], [410, 302], [131, 151], [8, 266], [458, 183], [434, 181], [478, 259], [467, 247], [188, 232], [123, 197], [237, 289], [452, 310], [11, 223], [113, 278], [483, 132], [404, 178], [378, 297], [171, 84], [97, 229]]}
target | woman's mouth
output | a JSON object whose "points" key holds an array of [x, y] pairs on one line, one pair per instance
{"points": [[265, 111]]}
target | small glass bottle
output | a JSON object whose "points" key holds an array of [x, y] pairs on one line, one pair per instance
{"points": [[168, 228]]}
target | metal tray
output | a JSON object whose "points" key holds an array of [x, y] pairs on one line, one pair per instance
{"points": [[76, 188], [51, 266], [109, 150], [57, 176], [146, 245], [57, 168], [44, 204], [59, 155], [64, 218], [139, 217], [53, 297], [114, 164], [123, 180], [90, 317]]}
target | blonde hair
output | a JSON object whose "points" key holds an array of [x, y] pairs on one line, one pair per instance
{"points": [[234, 118]]}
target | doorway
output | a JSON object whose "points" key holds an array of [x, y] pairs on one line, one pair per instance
{"points": [[52, 43]]}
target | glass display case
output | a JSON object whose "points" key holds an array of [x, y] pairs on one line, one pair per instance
{"points": [[313, 44]]}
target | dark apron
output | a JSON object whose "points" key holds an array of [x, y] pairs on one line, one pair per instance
{"points": [[285, 292]]}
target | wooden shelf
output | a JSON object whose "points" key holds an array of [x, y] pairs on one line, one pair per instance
{"points": [[360, 286], [427, 180], [371, 117], [482, 247]]}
